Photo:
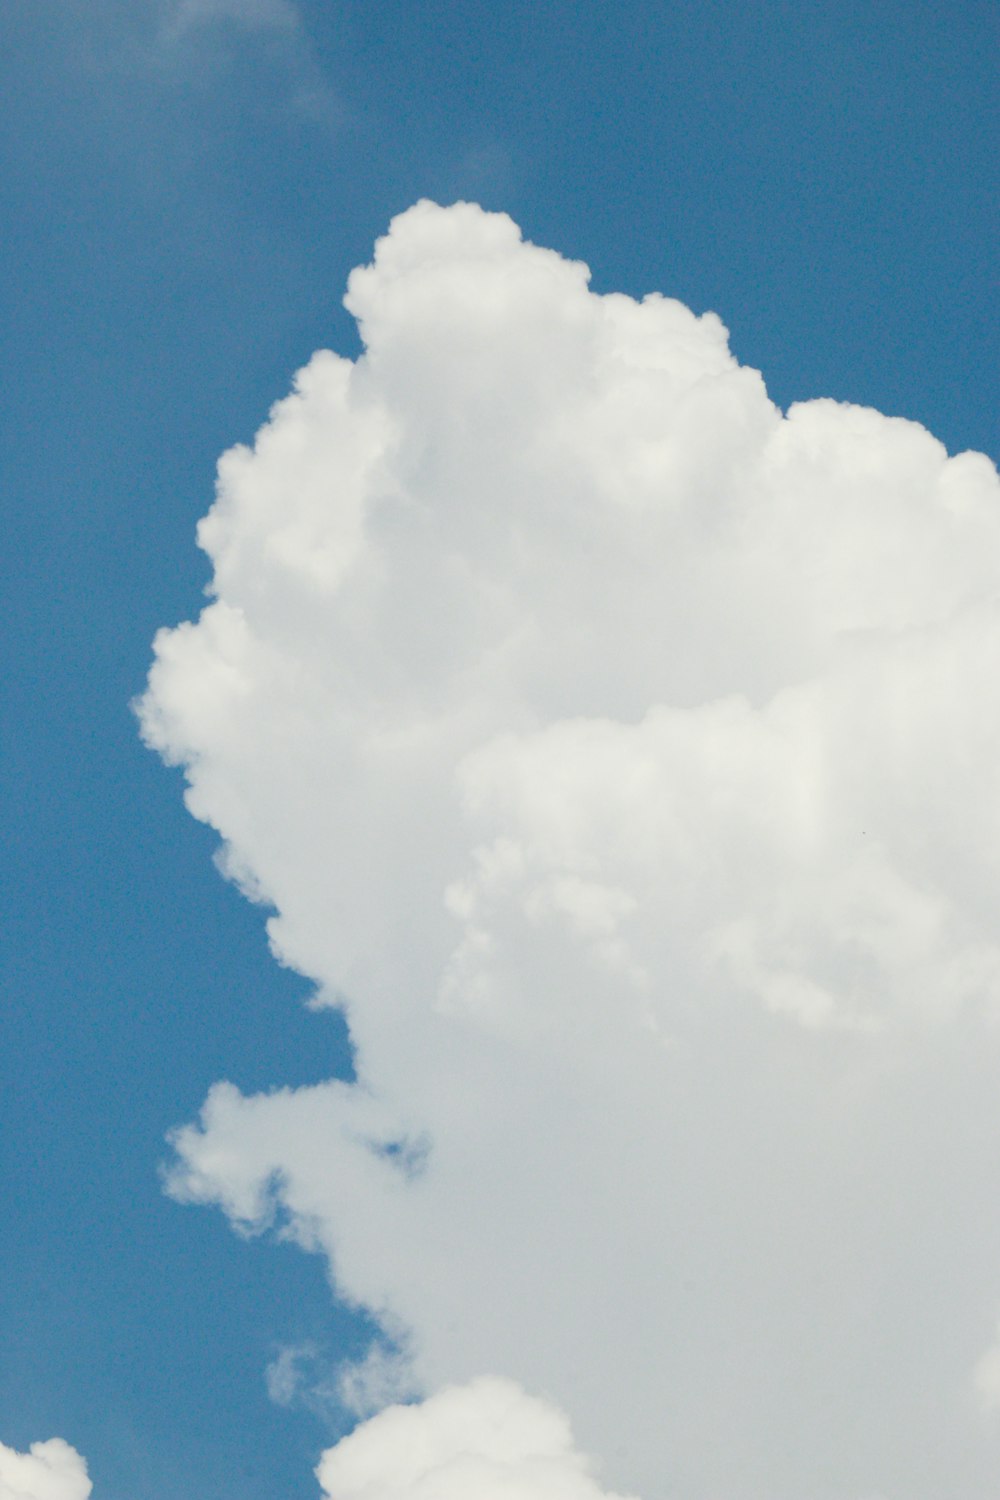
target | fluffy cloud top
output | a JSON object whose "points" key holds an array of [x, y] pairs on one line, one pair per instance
{"points": [[487, 1440], [50, 1471], [623, 754]]}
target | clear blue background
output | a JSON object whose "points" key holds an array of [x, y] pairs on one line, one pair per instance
{"points": [[177, 222]]}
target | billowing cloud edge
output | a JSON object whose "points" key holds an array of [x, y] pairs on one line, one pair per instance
{"points": [[707, 797], [51, 1470], [487, 1439]]}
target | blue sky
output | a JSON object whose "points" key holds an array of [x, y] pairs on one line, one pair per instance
{"points": [[181, 206]]}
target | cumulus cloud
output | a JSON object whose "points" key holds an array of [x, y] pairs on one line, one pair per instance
{"points": [[622, 753], [486, 1439], [49, 1471]]}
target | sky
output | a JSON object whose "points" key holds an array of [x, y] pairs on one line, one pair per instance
{"points": [[609, 758]]}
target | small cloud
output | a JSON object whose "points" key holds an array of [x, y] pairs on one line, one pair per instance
{"points": [[300, 1375], [200, 33], [986, 1378], [383, 1376], [254, 14], [50, 1471], [285, 1375]]}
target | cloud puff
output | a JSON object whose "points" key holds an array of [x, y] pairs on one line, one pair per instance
{"points": [[623, 754], [50, 1471], [486, 1439], [301, 1375], [284, 1375]]}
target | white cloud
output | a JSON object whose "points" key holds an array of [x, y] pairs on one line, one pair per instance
{"points": [[627, 753], [487, 1439], [383, 1375], [50, 1471], [283, 1376], [300, 1375]]}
